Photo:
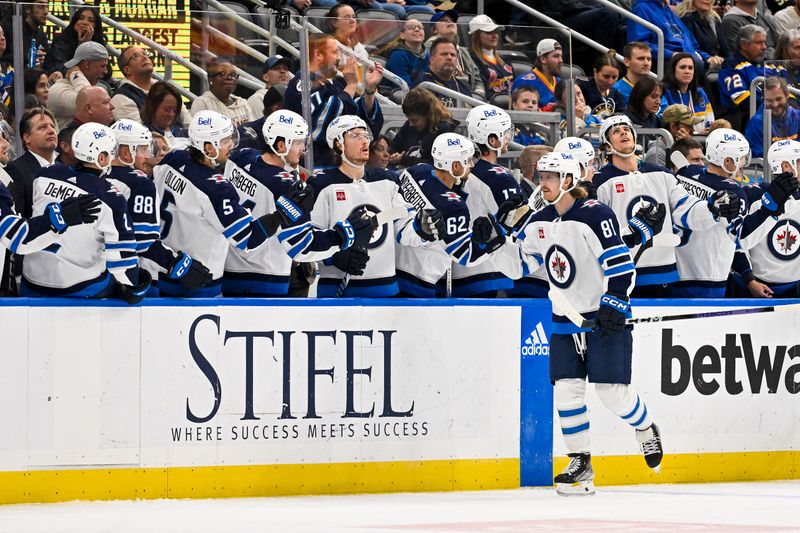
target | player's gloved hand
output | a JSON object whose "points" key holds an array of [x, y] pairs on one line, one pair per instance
{"points": [[358, 228], [429, 224], [73, 211], [191, 273], [297, 201], [488, 234], [135, 294], [507, 211], [352, 261], [646, 223], [612, 312], [724, 204], [783, 186], [590, 187]]}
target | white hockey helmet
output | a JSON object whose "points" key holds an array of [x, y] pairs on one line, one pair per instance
{"points": [[581, 150], [563, 164], [91, 140], [608, 125], [449, 148], [486, 120], [211, 127], [723, 143], [341, 125], [781, 151], [133, 135], [284, 124]]}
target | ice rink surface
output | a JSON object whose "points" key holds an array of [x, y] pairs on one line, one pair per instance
{"points": [[726, 507]]}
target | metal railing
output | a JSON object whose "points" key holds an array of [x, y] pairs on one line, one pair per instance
{"points": [[650, 26], [255, 28]]}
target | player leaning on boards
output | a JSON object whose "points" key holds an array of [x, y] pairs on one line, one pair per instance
{"points": [[349, 193], [625, 184], [135, 145], [768, 261], [94, 260], [578, 241], [705, 257], [463, 236], [200, 209]]}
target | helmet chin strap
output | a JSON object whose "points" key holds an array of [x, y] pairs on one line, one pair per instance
{"points": [[620, 154], [464, 172], [562, 192], [133, 158]]}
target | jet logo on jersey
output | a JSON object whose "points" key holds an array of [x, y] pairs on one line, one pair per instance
{"points": [[285, 176], [619, 187], [217, 178], [451, 196], [498, 170], [536, 343], [560, 267], [782, 240], [340, 196]]}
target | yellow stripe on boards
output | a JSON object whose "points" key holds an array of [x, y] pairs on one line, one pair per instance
{"points": [[692, 468], [41, 486]]}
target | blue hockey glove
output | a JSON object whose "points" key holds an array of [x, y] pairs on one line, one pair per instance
{"points": [[646, 223], [781, 189], [297, 201], [73, 211], [613, 311], [191, 273], [135, 294], [724, 204], [357, 229]]}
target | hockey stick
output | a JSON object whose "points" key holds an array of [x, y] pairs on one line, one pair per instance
{"points": [[679, 160], [385, 216], [563, 305]]}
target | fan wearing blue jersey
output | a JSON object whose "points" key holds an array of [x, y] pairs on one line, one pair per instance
{"points": [[90, 261], [578, 241], [135, 147], [201, 212], [768, 262]]}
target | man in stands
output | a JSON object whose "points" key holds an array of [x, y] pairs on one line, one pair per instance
{"points": [[743, 13], [785, 119], [441, 71], [546, 73], [638, 61], [86, 67], [93, 104], [222, 80], [276, 72]]}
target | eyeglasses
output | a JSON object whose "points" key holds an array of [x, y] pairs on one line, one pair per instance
{"points": [[413, 28], [134, 57], [358, 136], [225, 75]]}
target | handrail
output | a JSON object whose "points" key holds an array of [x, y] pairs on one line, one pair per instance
{"points": [[451, 93], [236, 17], [649, 25], [236, 43], [245, 78]]}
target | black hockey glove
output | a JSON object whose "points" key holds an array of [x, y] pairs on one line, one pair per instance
{"points": [[73, 211], [488, 234], [724, 204], [356, 230], [645, 224], [514, 202], [783, 186], [191, 273], [429, 224], [134, 295], [298, 201], [613, 311], [352, 261]]}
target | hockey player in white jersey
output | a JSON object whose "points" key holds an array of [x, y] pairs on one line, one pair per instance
{"points": [[90, 261], [463, 238], [135, 146], [583, 152], [344, 193], [768, 262], [624, 185], [200, 209], [578, 241]]}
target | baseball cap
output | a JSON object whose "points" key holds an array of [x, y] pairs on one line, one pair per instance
{"points": [[273, 95], [679, 113], [88, 51], [546, 46], [439, 15], [272, 61], [483, 23]]}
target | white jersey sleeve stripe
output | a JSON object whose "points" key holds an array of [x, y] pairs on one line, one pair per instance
{"points": [[20, 236], [234, 228]]}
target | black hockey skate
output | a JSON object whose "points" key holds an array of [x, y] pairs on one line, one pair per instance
{"points": [[650, 442], [578, 478]]}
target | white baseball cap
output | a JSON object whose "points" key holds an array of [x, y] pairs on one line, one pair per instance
{"points": [[483, 23], [546, 46]]}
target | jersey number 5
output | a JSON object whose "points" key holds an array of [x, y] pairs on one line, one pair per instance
{"points": [[166, 215]]}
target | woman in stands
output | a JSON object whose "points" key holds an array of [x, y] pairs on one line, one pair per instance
{"points": [[84, 26], [497, 75], [644, 104], [343, 26], [379, 153], [681, 87], [598, 91], [36, 84], [406, 55], [161, 111], [427, 118], [583, 115], [705, 24]]}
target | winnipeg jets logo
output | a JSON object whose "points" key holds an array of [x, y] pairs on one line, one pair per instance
{"points": [[217, 178], [498, 170], [451, 196], [590, 203], [288, 176], [560, 267], [783, 240]]}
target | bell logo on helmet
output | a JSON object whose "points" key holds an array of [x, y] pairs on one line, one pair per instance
{"points": [[574, 146], [99, 134], [453, 142], [204, 121], [729, 137], [565, 155], [490, 113], [125, 127], [284, 119]]}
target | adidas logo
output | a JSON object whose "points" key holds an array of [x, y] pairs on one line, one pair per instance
{"points": [[536, 343]]}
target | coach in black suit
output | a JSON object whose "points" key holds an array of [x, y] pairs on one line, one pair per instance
{"points": [[38, 130]]}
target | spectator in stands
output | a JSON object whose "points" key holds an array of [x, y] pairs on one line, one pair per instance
{"points": [[787, 54], [598, 91], [704, 22], [681, 87], [6, 76], [85, 69], [427, 117], [34, 15], [679, 120], [406, 55], [443, 24], [787, 19], [342, 24], [333, 94], [379, 153], [545, 75], [84, 26], [162, 148], [222, 79], [526, 99], [37, 128], [36, 84], [160, 111], [645, 103], [277, 71], [441, 70], [583, 115], [65, 155], [738, 72], [497, 76], [587, 18], [93, 105], [527, 162], [638, 61], [691, 150], [744, 13], [250, 133], [785, 119]]}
